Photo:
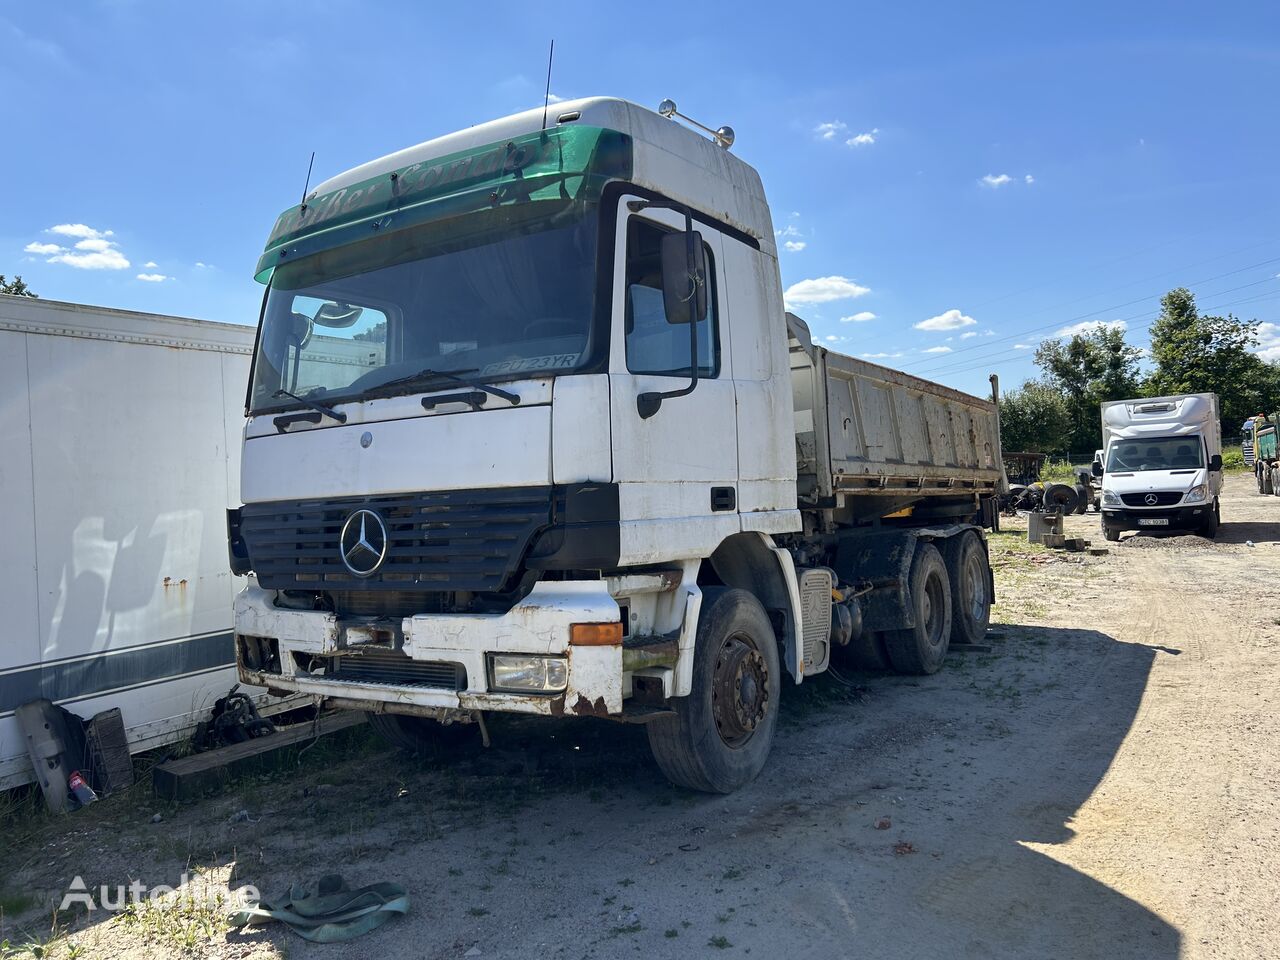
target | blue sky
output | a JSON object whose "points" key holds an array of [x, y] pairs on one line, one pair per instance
{"points": [[961, 179]]}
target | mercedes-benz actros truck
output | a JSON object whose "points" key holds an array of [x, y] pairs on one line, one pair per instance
{"points": [[529, 430]]}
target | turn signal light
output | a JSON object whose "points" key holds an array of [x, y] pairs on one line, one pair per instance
{"points": [[595, 634]]}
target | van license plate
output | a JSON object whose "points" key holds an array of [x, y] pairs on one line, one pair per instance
{"points": [[1153, 521]]}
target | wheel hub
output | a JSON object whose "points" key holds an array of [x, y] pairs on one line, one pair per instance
{"points": [[739, 691]]}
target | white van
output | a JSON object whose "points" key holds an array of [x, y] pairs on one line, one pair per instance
{"points": [[1162, 467]]}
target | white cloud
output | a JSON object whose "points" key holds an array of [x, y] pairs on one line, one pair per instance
{"points": [[1022, 346], [988, 333], [1028, 179], [823, 290], [790, 230], [1088, 325], [936, 350], [950, 320], [968, 333], [79, 230], [153, 277], [201, 264], [994, 180], [860, 317], [863, 139], [553, 98], [829, 131], [1268, 341], [795, 246], [93, 251], [881, 356], [151, 263]]}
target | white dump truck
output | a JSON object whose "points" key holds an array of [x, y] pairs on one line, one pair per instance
{"points": [[1162, 466], [529, 430]]}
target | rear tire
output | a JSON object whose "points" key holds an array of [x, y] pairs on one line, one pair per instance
{"points": [[722, 732], [923, 648], [1266, 486], [967, 573], [418, 735], [1082, 499]]}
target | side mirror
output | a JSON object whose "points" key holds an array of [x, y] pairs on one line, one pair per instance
{"points": [[1215, 463], [1096, 469], [684, 277], [338, 315]]}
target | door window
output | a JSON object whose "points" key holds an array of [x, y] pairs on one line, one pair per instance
{"points": [[653, 345]]}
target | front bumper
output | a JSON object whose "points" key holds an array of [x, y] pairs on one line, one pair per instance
{"points": [[539, 624], [1179, 518]]}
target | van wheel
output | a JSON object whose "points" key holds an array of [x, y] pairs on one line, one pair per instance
{"points": [[970, 588], [923, 648], [1265, 486], [1210, 528], [722, 732], [418, 735]]}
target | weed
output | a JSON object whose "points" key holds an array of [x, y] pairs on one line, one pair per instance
{"points": [[671, 933], [477, 912], [720, 943]]}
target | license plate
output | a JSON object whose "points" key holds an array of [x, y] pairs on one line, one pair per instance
{"points": [[1153, 521]]}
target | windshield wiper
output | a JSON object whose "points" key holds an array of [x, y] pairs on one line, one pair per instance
{"points": [[451, 376], [312, 405]]}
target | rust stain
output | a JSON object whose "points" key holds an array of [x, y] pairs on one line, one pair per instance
{"points": [[585, 708], [557, 706]]}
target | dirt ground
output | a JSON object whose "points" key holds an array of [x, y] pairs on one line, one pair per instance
{"points": [[1105, 782]]}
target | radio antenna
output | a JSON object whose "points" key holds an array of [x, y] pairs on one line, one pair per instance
{"points": [[307, 184], [546, 99]]}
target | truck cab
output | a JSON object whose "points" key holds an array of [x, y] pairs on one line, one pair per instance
{"points": [[1162, 465], [522, 435]]}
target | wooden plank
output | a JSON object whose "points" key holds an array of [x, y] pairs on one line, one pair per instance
{"points": [[187, 778]]}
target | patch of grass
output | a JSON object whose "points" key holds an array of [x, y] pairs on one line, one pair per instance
{"points": [[187, 922], [14, 903], [720, 943], [629, 928], [477, 912], [733, 873], [671, 933]]}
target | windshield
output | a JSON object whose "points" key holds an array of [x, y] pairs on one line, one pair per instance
{"points": [[1159, 453], [497, 294]]}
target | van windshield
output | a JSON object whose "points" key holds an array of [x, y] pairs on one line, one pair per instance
{"points": [[1157, 453]]}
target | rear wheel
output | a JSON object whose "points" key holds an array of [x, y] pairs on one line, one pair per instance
{"points": [[923, 647], [1265, 482], [1061, 497], [418, 735], [1082, 498], [722, 732], [967, 572]]}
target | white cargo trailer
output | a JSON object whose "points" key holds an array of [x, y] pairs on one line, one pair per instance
{"points": [[121, 440]]}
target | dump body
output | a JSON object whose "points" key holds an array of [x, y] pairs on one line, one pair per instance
{"points": [[121, 444], [883, 437]]}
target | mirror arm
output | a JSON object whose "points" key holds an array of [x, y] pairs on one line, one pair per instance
{"points": [[647, 403]]}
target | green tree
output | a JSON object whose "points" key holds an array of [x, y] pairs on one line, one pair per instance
{"points": [[1089, 369], [1035, 418], [15, 287], [1208, 354]]}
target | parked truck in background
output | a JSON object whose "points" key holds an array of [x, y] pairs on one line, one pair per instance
{"points": [[1259, 441], [1162, 467], [529, 431]]}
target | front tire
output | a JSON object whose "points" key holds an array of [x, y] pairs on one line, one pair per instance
{"points": [[922, 648], [1210, 528], [722, 732], [418, 735]]}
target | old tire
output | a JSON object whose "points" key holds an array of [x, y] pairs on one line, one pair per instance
{"points": [[1210, 528], [1261, 475], [1111, 536], [722, 732], [967, 573], [1062, 497], [923, 648], [1082, 499], [418, 735]]}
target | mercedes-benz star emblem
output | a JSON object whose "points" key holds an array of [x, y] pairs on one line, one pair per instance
{"points": [[363, 543], [1152, 499]]}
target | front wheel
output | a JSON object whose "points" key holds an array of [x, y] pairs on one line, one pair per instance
{"points": [[722, 732], [418, 735], [1210, 528]]}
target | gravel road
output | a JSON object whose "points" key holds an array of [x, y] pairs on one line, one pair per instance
{"points": [[1103, 783]]}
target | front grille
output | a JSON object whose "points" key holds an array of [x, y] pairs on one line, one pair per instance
{"points": [[1164, 498], [395, 669], [386, 604], [452, 540]]}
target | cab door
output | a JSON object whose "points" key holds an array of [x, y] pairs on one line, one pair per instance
{"points": [[677, 470]]}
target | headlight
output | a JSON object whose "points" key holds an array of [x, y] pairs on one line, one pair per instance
{"points": [[1109, 497], [514, 673], [1196, 494]]}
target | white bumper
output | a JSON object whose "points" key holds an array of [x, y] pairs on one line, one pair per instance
{"points": [[539, 624]]}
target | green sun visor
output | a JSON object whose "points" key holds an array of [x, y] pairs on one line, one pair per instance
{"points": [[567, 163]]}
